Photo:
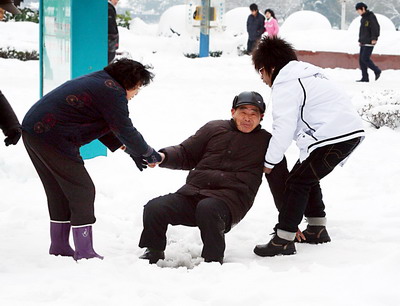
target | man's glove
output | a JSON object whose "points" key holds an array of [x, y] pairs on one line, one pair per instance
{"points": [[153, 158], [140, 162], [13, 136]]}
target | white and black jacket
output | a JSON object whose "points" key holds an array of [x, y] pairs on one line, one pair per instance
{"points": [[308, 108]]}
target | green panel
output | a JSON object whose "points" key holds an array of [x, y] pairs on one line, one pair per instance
{"points": [[56, 43], [73, 43], [89, 36], [89, 44]]}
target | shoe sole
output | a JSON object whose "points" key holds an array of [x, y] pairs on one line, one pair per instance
{"points": [[285, 253], [313, 242]]}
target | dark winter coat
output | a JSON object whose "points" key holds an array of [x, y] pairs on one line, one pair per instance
{"points": [[8, 119], [113, 35], [81, 110], [224, 163], [255, 26], [369, 28]]}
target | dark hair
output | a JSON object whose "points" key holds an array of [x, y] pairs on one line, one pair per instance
{"points": [[129, 73], [271, 12], [273, 53], [360, 5], [253, 7]]}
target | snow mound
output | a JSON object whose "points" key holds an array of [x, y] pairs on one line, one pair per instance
{"points": [[173, 22], [236, 19], [385, 23], [19, 35], [139, 27], [306, 20]]}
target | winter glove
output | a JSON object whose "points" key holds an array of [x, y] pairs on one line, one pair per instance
{"points": [[13, 136], [153, 158], [140, 162]]}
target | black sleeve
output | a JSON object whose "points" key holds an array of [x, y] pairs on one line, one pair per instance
{"points": [[187, 155], [116, 115], [8, 119], [112, 20], [261, 27], [111, 141], [375, 28], [277, 182]]}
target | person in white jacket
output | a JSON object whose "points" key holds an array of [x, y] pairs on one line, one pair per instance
{"points": [[308, 108]]}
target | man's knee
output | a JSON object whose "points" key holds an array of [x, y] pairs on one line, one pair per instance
{"points": [[155, 207], [211, 212], [206, 210]]}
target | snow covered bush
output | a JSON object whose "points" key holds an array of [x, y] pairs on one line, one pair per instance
{"points": [[124, 20], [27, 14], [382, 108], [21, 55]]}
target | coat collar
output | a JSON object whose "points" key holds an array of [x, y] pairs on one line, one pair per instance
{"points": [[234, 127]]}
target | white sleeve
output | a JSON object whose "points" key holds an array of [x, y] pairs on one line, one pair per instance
{"points": [[287, 100]]}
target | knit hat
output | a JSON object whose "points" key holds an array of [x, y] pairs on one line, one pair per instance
{"points": [[360, 5]]}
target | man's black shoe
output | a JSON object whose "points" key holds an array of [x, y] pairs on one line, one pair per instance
{"points": [[316, 234], [362, 80], [152, 255], [220, 260], [377, 75], [277, 246]]}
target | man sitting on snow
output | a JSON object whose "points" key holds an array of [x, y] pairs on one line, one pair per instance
{"points": [[225, 159]]}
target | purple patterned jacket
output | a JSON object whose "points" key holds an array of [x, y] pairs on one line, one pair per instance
{"points": [[90, 107]]}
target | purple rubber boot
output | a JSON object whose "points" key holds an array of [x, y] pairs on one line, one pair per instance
{"points": [[59, 235], [83, 240]]}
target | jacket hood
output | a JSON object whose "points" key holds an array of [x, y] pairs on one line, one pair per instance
{"points": [[295, 70]]}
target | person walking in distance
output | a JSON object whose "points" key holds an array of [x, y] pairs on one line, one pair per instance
{"points": [[368, 37], [255, 27]]}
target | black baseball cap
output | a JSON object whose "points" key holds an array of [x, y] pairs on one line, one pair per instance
{"points": [[249, 97], [9, 6], [360, 5]]}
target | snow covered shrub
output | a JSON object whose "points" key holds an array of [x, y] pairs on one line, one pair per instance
{"points": [[211, 53], [382, 108], [21, 55], [27, 14], [124, 20]]}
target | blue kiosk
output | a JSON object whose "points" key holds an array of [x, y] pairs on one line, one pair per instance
{"points": [[73, 42]]}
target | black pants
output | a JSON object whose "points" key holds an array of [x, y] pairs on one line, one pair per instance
{"points": [[366, 62], [303, 192], [69, 189], [111, 56], [212, 216], [250, 45]]}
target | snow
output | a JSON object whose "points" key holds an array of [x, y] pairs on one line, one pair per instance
{"points": [[359, 267], [384, 22], [306, 20]]}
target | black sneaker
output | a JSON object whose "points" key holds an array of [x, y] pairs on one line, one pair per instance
{"points": [[377, 75], [277, 246], [362, 80], [152, 255], [316, 234]]}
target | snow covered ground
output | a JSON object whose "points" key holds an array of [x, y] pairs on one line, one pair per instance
{"points": [[359, 267]]}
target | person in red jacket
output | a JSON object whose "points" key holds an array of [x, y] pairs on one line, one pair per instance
{"points": [[225, 159]]}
